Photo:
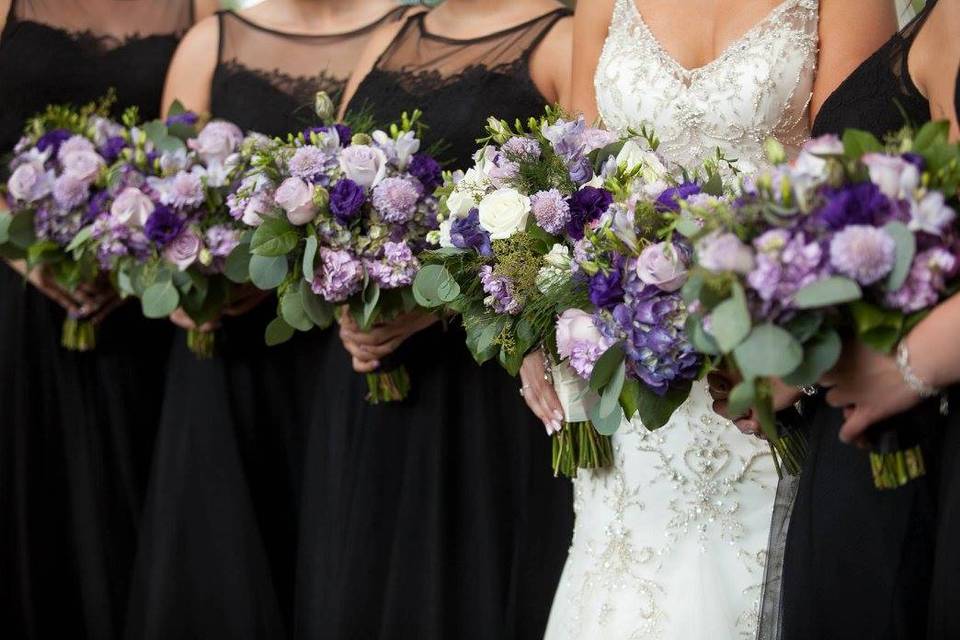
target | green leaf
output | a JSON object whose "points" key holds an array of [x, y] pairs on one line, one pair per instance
{"points": [[274, 237], [292, 311], [906, 249], [687, 226], [511, 360], [277, 332], [160, 300], [155, 130], [931, 133], [742, 398], [769, 351], [371, 296], [42, 252], [730, 321], [206, 298], [692, 287], [606, 367], [82, 236], [630, 397], [21, 232], [610, 398], [268, 273], [428, 283], [804, 326], [702, 341], [474, 332], [600, 156], [526, 339], [827, 293], [878, 328], [607, 424], [5, 219], [310, 258], [542, 241], [237, 265], [820, 355], [317, 309], [856, 143], [488, 335], [656, 411]]}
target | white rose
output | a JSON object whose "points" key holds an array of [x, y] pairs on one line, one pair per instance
{"points": [[364, 164], [132, 207], [460, 202], [503, 213], [83, 165], [895, 177], [296, 198]]}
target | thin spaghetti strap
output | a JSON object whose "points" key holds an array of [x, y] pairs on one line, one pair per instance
{"points": [[220, 33], [416, 18]]}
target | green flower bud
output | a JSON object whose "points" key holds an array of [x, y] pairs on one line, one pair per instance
{"points": [[323, 106], [361, 138], [321, 199]]}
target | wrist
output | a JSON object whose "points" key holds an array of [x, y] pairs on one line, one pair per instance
{"points": [[917, 378]]}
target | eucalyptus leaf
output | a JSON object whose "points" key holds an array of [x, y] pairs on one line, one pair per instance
{"points": [[820, 355], [655, 410], [606, 367], [610, 397], [702, 341], [768, 351], [21, 231], [160, 300], [274, 237], [426, 286], [878, 328], [317, 309], [804, 326], [511, 360], [730, 321], [906, 244], [742, 398], [292, 311], [268, 273], [371, 296], [82, 236], [277, 332], [630, 397], [5, 219], [605, 424], [237, 265], [310, 258], [856, 143], [827, 293], [488, 335]]}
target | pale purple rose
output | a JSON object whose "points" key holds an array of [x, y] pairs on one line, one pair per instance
{"points": [[338, 276], [258, 207], [73, 144], [364, 164], [132, 207], [662, 266], [217, 141], [184, 250], [295, 197], [725, 252], [579, 341], [896, 177], [83, 165], [70, 192], [931, 214], [863, 253], [30, 182]]}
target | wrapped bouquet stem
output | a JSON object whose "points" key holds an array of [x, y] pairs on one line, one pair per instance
{"points": [[78, 334], [577, 445]]}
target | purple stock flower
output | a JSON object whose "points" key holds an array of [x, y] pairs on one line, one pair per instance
{"points": [[56, 224], [427, 170], [785, 263], [339, 275], [53, 139], [163, 225], [586, 205], [396, 268], [925, 282], [396, 199], [670, 199], [499, 290], [861, 203], [606, 289], [466, 233], [863, 253], [346, 199], [221, 240]]}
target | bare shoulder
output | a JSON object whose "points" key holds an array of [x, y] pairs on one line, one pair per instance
{"points": [[204, 8], [203, 38], [4, 10], [595, 11]]}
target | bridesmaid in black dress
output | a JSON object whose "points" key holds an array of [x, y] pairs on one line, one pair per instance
{"points": [[77, 430], [859, 561], [221, 518], [438, 517]]}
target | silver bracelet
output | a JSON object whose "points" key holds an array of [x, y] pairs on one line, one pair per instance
{"points": [[911, 379]]}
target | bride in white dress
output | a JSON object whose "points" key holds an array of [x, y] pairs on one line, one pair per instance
{"points": [[671, 542]]}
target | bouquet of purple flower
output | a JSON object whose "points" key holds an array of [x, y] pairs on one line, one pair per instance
{"points": [[162, 227], [58, 177], [856, 237], [339, 217]]}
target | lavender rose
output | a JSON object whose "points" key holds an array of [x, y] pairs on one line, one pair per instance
{"points": [[896, 177], [184, 250], [295, 197], [82, 164], [132, 207], [70, 192], [662, 266], [217, 141], [364, 165], [346, 200], [30, 182]]}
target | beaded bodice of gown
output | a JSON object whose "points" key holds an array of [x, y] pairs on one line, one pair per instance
{"points": [[759, 86], [266, 80], [672, 541], [457, 84], [73, 51]]}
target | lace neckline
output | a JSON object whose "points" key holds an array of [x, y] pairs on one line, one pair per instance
{"points": [[730, 49], [313, 36], [87, 38], [426, 33]]}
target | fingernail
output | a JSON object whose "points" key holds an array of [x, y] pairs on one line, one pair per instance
{"points": [[556, 426], [558, 414]]}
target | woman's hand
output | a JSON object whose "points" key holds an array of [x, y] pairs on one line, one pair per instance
{"points": [[539, 392], [244, 299], [184, 321], [88, 301], [721, 383], [368, 348]]}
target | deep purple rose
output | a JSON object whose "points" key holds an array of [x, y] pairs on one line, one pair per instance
{"points": [[466, 233], [96, 207], [112, 147], [586, 205], [861, 203], [163, 225], [670, 199], [426, 170], [187, 118], [606, 289], [346, 199], [53, 140]]}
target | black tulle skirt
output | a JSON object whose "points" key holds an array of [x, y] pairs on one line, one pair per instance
{"points": [[859, 561], [434, 518], [75, 445], [219, 538]]}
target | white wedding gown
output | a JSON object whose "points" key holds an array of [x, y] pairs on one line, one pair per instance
{"points": [[671, 543]]}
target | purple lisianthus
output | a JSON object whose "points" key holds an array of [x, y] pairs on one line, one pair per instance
{"points": [[670, 199], [925, 283], [396, 268], [163, 225], [112, 148], [116, 239], [606, 288], [586, 205], [396, 200], [551, 210], [346, 199], [96, 207], [344, 133], [187, 118], [499, 290], [53, 139], [931, 214], [863, 253], [427, 170], [70, 191], [466, 233], [861, 203], [339, 275]]}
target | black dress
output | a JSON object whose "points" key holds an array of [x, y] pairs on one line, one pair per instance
{"points": [[437, 517], [219, 542], [858, 560], [76, 430]]}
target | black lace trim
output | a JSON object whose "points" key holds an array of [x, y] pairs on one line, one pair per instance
{"points": [[303, 88], [89, 41], [429, 80]]}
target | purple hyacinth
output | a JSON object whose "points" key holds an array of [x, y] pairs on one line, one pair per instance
{"points": [[163, 225], [670, 199], [551, 210], [339, 275], [466, 233], [396, 268], [499, 290], [586, 205], [346, 200], [396, 200], [427, 170], [863, 253], [861, 203]]}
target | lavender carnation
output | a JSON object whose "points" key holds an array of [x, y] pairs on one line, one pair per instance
{"points": [[499, 290], [863, 253], [396, 268], [551, 210], [339, 275], [163, 225], [396, 200]]}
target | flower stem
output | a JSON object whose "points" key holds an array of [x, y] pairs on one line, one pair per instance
{"points": [[894, 467], [789, 449], [388, 386], [579, 446], [78, 335], [201, 343]]}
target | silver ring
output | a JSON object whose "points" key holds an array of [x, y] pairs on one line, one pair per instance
{"points": [[523, 390]]}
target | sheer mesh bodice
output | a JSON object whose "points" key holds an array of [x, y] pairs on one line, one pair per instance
{"points": [[879, 96], [266, 79], [59, 51], [457, 84]]}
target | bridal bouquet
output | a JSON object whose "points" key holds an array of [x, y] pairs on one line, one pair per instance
{"points": [[855, 237], [338, 219], [58, 177], [162, 227]]}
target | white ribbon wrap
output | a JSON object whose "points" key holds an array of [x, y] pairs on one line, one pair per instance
{"points": [[574, 393]]}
